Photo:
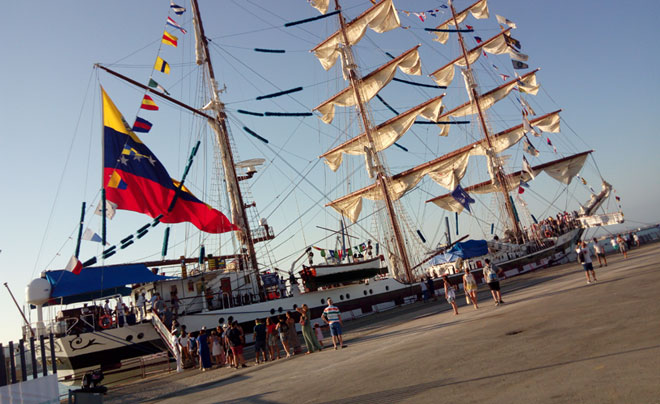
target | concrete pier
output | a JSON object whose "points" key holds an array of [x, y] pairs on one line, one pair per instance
{"points": [[556, 340]]}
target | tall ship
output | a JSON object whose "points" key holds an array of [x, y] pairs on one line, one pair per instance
{"points": [[386, 209]]}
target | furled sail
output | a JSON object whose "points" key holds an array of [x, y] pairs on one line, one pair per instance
{"points": [[385, 134], [446, 170], [562, 170], [479, 11], [408, 62], [496, 45], [526, 83], [321, 5], [381, 18]]}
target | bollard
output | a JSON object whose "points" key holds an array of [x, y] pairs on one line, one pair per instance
{"points": [[21, 351], [33, 358], [12, 362], [44, 362]]}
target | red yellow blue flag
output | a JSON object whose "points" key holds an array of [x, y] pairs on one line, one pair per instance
{"points": [[135, 180], [141, 125]]}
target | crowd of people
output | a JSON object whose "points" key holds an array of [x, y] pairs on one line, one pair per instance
{"points": [[223, 347]]}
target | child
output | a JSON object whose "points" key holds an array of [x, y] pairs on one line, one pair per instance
{"points": [[319, 333], [450, 295]]}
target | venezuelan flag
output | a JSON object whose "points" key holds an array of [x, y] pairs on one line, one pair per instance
{"points": [[169, 39], [162, 66], [135, 180], [149, 104]]}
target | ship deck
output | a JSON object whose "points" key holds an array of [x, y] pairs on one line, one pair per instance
{"points": [[556, 339]]}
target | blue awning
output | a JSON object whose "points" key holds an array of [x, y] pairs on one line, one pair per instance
{"points": [[465, 250], [96, 282]]}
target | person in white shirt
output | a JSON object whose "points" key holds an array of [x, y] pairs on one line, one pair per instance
{"points": [[600, 253], [141, 306], [584, 258]]}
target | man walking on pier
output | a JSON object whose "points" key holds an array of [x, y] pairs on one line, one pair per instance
{"points": [[332, 317]]}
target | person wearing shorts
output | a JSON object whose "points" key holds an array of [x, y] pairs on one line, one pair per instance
{"points": [[236, 344], [332, 317], [584, 257], [450, 295], [600, 253], [493, 281]]}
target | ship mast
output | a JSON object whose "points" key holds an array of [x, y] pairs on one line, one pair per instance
{"points": [[380, 174], [497, 167], [239, 217]]}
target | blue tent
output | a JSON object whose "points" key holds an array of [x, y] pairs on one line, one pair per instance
{"points": [[96, 282], [465, 250]]}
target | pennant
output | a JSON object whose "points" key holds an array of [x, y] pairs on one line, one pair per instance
{"points": [[525, 104], [549, 142], [504, 77], [514, 54], [478, 39], [469, 26], [554, 149], [153, 84], [529, 148], [484, 53], [173, 23], [527, 168], [90, 235], [519, 65], [110, 209], [178, 10], [322, 252], [496, 68], [148, 189], [462, 197], [74, 265], [523, 184], [169, 39], [505, 21], [421, 16], [141, 125], [521, 190], [591, 189], [617, 198], [584, 181], [162, 66], [148, 104], [512, 42]]}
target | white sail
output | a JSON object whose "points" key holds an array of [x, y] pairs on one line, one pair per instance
{"points": [[562, 170], [496, 46], [479, 11], [526, 83], [386, 134], [381, 18], [321, 5], [447, 171], [371, 84]]}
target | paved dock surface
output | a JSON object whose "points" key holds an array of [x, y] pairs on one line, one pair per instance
{"points": [[556, 340]]}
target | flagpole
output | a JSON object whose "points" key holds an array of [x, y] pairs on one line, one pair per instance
{"points": [[80, 229]]}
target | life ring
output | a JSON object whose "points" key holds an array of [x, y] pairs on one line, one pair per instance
{"points": [[105, 321], [548, 234]]}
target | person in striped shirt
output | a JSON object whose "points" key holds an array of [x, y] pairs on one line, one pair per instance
{"points": [[332, 317]]}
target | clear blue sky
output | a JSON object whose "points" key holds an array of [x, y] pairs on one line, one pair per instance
{"points": [[598, 63]]}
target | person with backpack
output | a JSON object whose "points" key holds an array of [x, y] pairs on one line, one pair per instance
{"points": [[491, 273], [584, 258]]}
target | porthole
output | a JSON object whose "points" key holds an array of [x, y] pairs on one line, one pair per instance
{"points": [[371, 291], [365, 292], [387, 287], [272, 311], [129, 338], [221, 320], [140, 335], [348, 295], [230, 320], [295, 306], [341, 297], [279, 309], [322, 301]]}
